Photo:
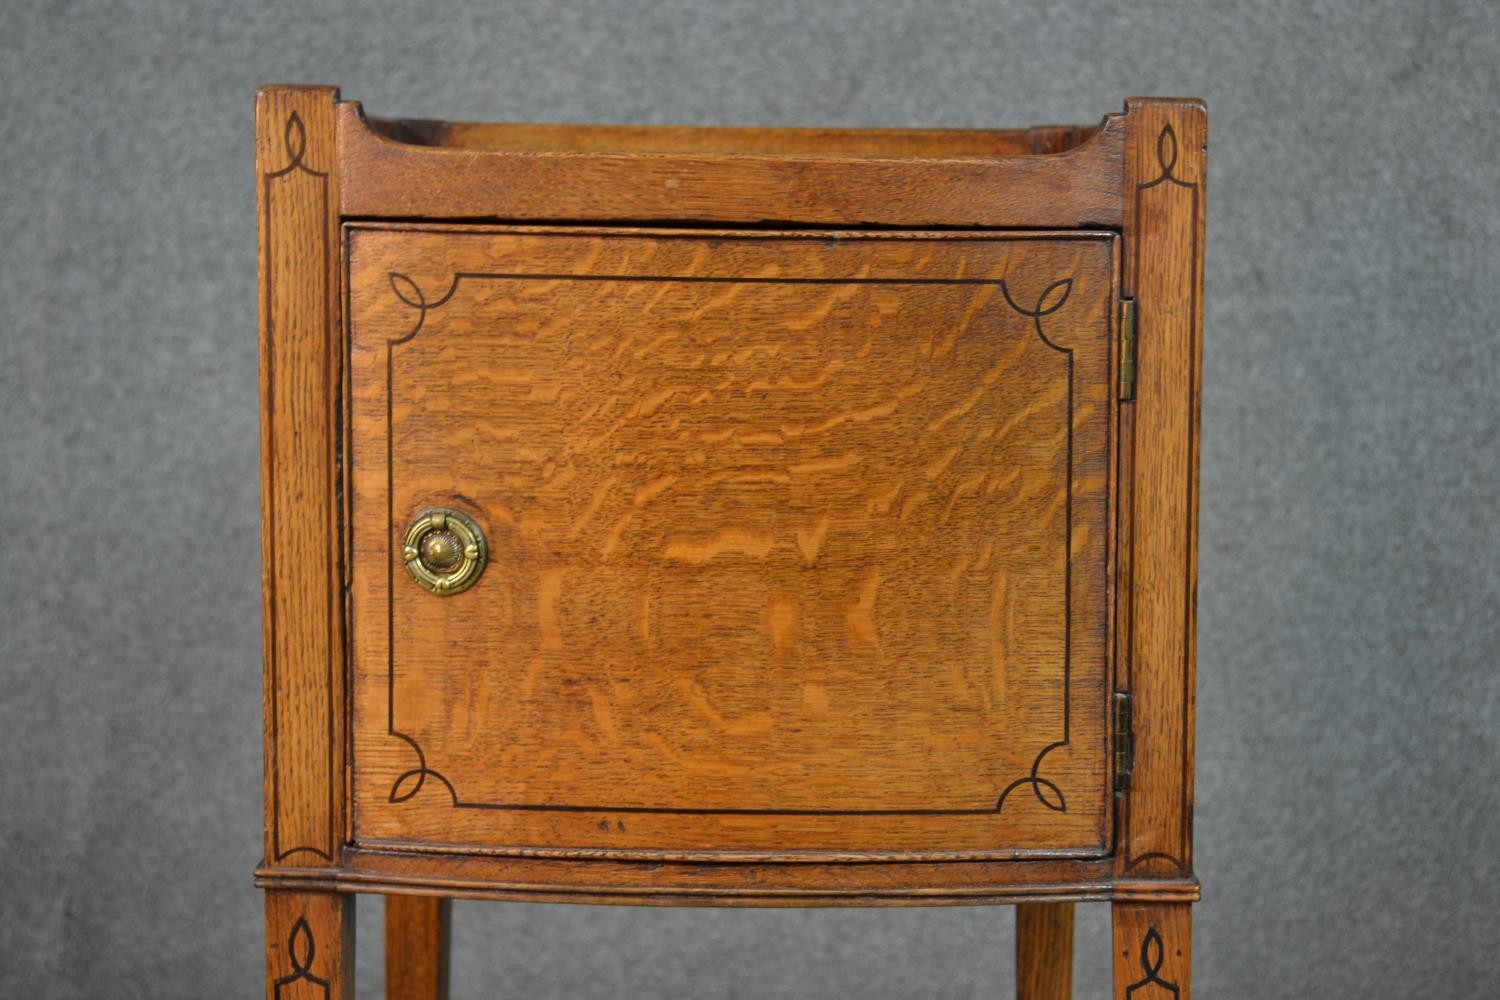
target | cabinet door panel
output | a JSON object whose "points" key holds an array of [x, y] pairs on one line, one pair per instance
{"points": [[798, 544]]}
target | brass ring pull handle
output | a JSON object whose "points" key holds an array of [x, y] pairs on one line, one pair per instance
{"points": [[444, 551]]}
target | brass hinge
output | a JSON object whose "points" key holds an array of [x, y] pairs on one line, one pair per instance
{"points": [[1124, 742], [1127, 350]]}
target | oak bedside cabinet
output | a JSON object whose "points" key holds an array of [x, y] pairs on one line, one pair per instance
{"points": [[728, 516]]}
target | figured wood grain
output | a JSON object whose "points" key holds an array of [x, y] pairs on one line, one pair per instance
{"points": [[1164, 271], [731, 140], [380, 177], [417, 932], [797, 544], [309, 945], [1044, 951], [1153, 956], [300, 537]]}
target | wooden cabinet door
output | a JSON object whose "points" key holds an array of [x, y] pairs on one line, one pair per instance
{"points": [[799, 543]]}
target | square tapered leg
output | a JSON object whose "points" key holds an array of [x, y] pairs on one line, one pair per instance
{"points": [[1153, 950], [1044, 951], [309, 945], [416, 947]]}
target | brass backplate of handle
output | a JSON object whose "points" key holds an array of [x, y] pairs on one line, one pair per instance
{"points": [[444, 551]]}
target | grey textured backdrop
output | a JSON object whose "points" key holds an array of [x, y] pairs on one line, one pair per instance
{"points": [[1349, 787]]}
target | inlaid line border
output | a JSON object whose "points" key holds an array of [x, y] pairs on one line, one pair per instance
{"points": [[1167, 154], [294, 137]]}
